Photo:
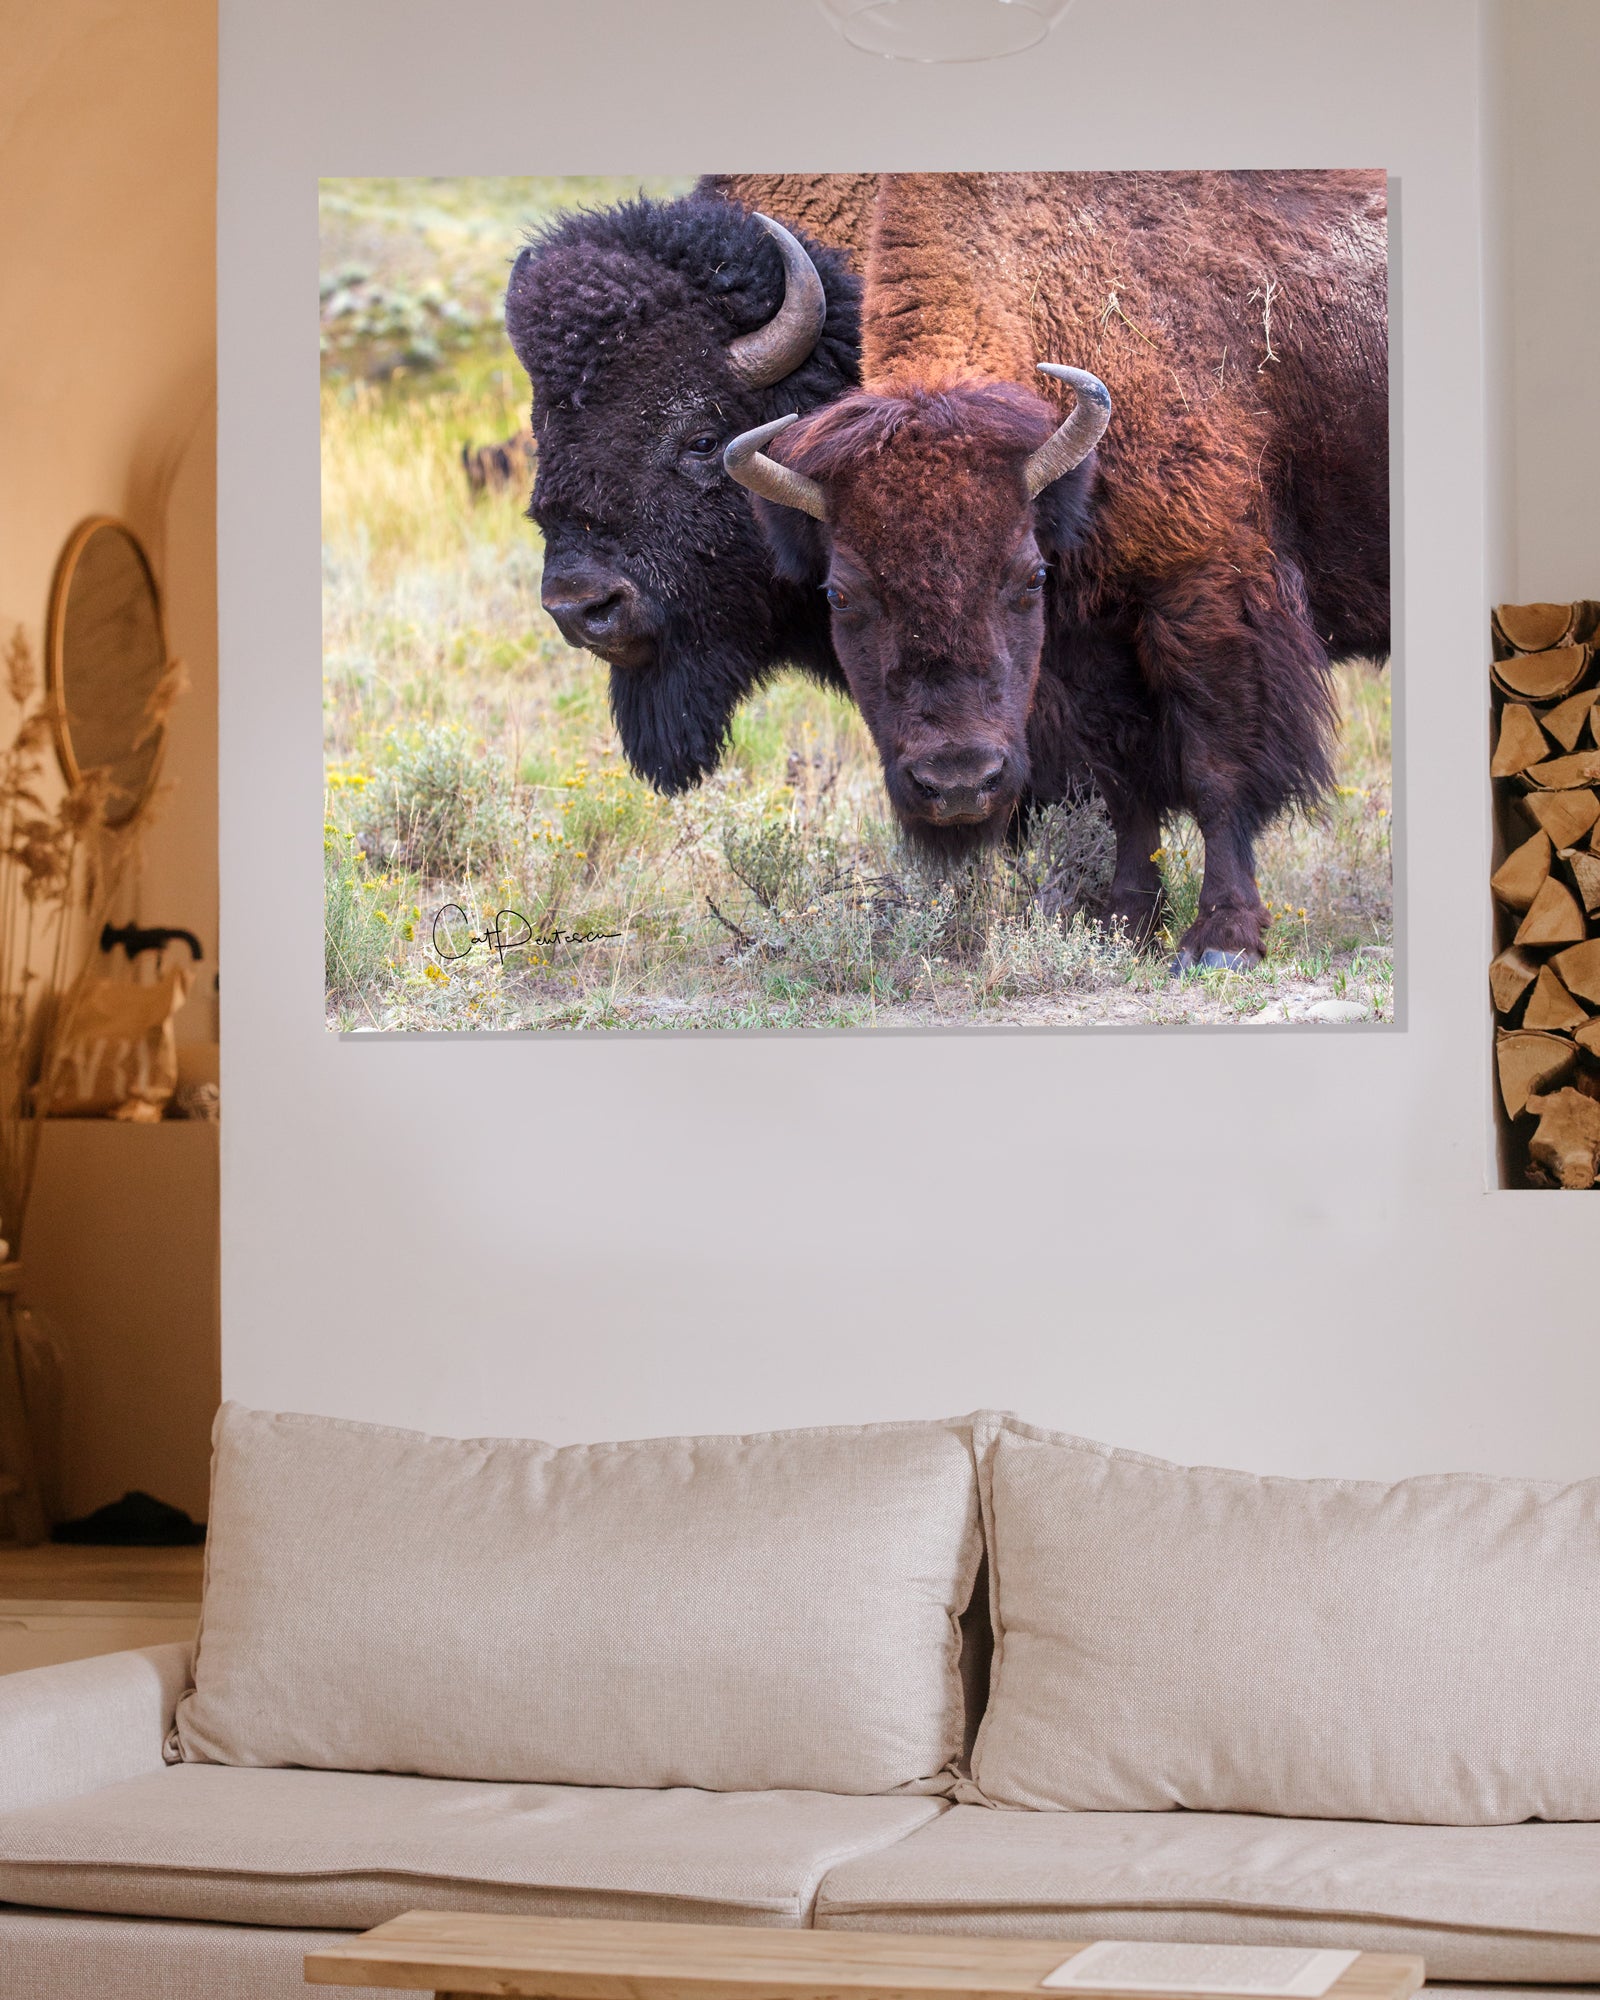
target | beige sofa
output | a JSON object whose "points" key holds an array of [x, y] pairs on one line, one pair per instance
{"points": [[742, 1680]]}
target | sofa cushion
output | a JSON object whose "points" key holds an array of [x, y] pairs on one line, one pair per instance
{"points": [[1170, 1636], [737, 1613], [352, 1849], [1479, 1903], [56, 1955]]}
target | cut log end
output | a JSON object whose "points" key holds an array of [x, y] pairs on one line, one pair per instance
{"points": [[1529, 1063], [1523, 873], [1579, 970], [1565, 816], [1560, 774], [1543, 676], [1551, 1007], [1522, 744], [1534, 628], [1566, 721], [1584, 868], [1553, 918], [1565, 1148], [1510, 976]]}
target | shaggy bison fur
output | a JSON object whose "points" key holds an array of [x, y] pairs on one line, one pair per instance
{"points": [[623, 319], [1232, 539]]}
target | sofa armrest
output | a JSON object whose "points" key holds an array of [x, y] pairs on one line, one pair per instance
{"points": [[87, 1723]]}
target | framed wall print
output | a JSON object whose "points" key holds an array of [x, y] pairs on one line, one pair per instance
{"points": [[857, 601]]}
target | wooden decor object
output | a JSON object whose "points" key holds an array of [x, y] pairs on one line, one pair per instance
{"points": [[21, 1500], [587, 1958], [1544, 978]]}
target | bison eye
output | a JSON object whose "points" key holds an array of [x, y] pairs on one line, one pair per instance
{"points": [[1040, 576], [835, 596], [703, 446]]}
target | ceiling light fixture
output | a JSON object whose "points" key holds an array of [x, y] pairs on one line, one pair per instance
{"points": [[944, 30]]}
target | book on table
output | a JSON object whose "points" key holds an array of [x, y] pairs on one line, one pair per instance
{"points": [[1260, 1972]]}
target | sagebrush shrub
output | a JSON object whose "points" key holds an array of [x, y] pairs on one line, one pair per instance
{"points": [[444, 807], [1065, 861], [1038, 955], [784, 866]]}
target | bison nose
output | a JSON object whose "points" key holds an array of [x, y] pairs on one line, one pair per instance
{"points": [[595, 614], [958, 784]]}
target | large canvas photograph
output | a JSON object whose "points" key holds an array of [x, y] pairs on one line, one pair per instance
{"points": [[807, 602]]}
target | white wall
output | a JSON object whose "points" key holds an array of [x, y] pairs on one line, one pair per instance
{"points": [[1545, 57], [1269, 1249]]}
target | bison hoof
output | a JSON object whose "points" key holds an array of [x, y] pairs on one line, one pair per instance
{"points": [[1233, 936], [1213, 961]]}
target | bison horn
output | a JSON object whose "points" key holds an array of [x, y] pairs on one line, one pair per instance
{"points": [[777, 349], [745, 461], [1077, 437]]}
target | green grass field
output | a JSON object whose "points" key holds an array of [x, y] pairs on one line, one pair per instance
{"points": [[471, 758]]}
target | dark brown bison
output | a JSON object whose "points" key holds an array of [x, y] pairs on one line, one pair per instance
{"points": [[653, 333], [1166, 613], [491, 468]]}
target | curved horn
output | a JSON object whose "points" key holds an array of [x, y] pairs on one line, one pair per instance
{"points": [[1077, 437], [745, 461], [777, 349]]}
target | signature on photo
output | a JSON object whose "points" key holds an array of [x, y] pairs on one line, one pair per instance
{"points": [[454, 937]]}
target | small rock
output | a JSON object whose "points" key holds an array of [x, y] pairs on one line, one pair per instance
{"points": [[1337, 1010], [1273, 1011]]}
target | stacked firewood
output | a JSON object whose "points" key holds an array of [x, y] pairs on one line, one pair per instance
{"points": [[1545, 977]]}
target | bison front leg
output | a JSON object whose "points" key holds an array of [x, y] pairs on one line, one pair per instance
{"points": [[1093, 713], [1248, 717], [1230, 931], [1134, 898]]}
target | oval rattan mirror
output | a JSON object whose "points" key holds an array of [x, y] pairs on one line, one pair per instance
{"points": [[105, 656]]}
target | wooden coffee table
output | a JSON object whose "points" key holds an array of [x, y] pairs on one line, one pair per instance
{"points": [[574, 1958]]}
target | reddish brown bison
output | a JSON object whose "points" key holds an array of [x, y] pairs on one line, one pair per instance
{"points": [[1164, 613]]}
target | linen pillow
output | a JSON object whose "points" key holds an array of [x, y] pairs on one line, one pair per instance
{"points": [[1172, 1636], [734, 1613]]}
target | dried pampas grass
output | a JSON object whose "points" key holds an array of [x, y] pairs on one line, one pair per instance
{"points": [[60, 869]]}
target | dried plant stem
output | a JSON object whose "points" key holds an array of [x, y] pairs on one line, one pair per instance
{"points": [[1264, 296], [60, 870]]}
